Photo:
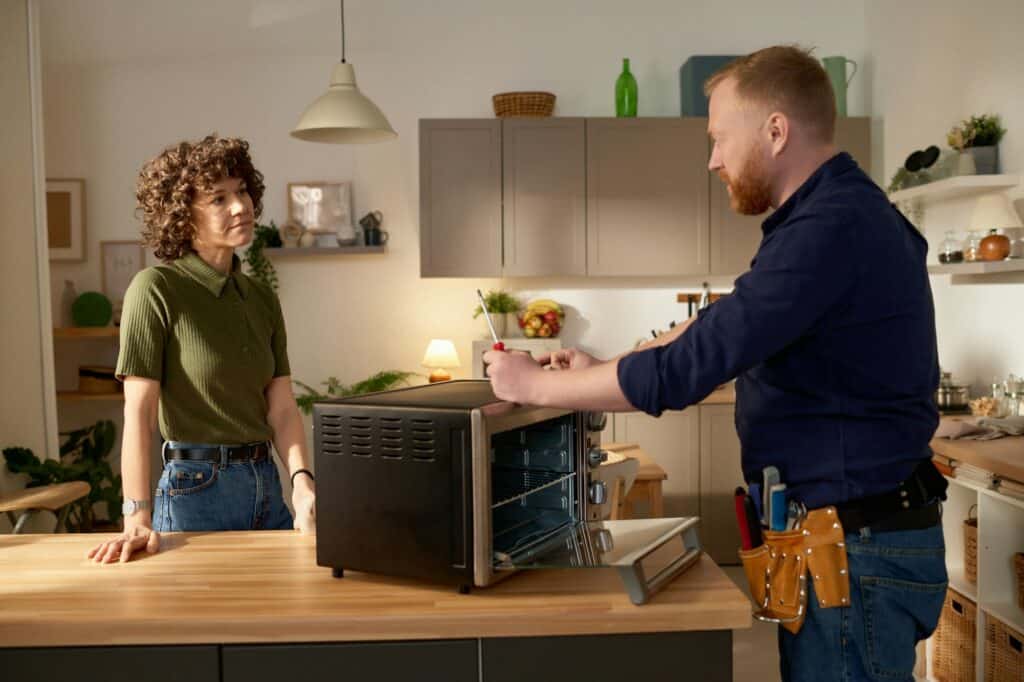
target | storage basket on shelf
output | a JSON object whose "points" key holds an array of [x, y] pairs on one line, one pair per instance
{"points": [[954, 642], [523, 104], [97, 380], [971, 547], [1004, 652], [1018, 569]]}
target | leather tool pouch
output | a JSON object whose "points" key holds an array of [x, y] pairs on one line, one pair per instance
{"points": [[779, 569]]}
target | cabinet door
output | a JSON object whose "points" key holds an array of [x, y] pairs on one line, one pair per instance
{"points": [[460, 198], [673, 442], [545, 227], [647, 199], [735, 238], [720, 473]]}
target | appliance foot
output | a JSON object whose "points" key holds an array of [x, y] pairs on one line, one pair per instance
{"points": [[338, 572], [464, 589]]}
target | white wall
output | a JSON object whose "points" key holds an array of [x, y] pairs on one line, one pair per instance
{"points": [[933, 63]]}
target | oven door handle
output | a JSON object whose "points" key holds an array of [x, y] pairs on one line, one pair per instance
{"points": [[639, 587]]}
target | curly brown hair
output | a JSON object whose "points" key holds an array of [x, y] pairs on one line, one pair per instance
{"points": [[168, 183]]}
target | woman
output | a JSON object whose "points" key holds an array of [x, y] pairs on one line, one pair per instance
{"points": [[203, 350]]}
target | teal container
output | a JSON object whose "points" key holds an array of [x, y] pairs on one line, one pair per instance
{"points": [[625, 92], [835, 67], [692, 75]]}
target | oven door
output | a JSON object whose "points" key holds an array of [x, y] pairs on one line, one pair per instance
{"points": [[648, 553]]}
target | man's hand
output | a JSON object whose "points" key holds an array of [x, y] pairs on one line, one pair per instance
{"points": [[304, 502], [137, 535], [514, 375], [568, 358]]}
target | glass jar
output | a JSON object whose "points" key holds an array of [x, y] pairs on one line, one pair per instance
{"points": [[951, 249], [972, 247]]}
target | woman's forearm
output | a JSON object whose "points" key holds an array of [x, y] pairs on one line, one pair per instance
{"points": [[290, 438], [141, 400]]}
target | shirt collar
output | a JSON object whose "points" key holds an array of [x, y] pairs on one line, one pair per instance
{"points": [[210, 278], [837, 165]]}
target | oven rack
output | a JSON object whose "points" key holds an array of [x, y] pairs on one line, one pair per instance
{"points": [[512, 485]]}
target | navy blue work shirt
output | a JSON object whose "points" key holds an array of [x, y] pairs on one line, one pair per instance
{"points": [[831, 336]]}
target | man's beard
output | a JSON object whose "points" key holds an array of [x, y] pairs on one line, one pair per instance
{"points": [[751, 194]]}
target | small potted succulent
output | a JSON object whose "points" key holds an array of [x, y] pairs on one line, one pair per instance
{"points": [[977, 139], [500, 305]]}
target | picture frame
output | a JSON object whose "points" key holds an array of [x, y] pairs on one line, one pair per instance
{"points": [[324, 209], [65, 219], [120, 261]]}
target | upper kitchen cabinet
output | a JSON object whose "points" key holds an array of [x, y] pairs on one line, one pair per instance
{"points": [[545, 220], [647, 198], [460, 198], [735, 238]]}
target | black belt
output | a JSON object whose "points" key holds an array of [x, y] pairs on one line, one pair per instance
{"points": [[914, 504], [220, 453]]}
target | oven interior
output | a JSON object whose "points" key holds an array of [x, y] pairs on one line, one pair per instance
{"points": [[534, 486]]}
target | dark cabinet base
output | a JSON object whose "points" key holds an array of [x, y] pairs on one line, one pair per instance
{"points": [[656, 657]]}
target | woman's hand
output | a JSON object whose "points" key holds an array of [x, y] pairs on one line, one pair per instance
{"points": [[304, 502], [137, 535]]}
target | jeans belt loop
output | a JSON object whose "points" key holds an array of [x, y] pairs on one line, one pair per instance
{"points": [[223, 456], [163, 453]]}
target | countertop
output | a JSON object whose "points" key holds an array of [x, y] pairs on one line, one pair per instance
{"points": [[266, 587], [1002, 456]]}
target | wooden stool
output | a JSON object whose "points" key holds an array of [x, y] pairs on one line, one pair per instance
{"points": [[57, 498], [647, 486]]}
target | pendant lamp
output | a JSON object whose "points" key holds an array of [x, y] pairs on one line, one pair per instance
{"points": [[343, 115]]}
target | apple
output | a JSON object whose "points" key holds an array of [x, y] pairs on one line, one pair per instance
{"points": [[536, 322], [551, 316], [554, 328], [529, 332], [522, 323], [544, 330]]}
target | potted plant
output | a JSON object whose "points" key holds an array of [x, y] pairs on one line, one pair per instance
{"points": [[500, 305], [83, 457], [977, 139], [260, 268], [381, 381]]}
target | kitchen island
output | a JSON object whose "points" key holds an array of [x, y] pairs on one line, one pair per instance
{"points": [[255, 606]]}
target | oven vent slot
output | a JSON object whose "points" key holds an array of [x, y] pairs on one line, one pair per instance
{"points": [[422, 443]]}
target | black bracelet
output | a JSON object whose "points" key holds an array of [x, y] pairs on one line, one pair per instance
{"points": [[302, 471]]}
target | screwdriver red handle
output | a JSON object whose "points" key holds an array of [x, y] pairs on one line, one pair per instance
{"points": [[498, 346]]}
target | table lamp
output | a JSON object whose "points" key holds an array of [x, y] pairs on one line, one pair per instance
{"points": [[440, 355]]}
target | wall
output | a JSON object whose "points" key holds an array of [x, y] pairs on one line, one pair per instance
{"points": [[27, 406], [934, 63]]}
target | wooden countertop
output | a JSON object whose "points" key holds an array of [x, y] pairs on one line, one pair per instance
{"points": [[1003, 456], [266, 587], [648, 469]]}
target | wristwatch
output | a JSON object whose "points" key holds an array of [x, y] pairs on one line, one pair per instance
{"points": [[131, 506]]}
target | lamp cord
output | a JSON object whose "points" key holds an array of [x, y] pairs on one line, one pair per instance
{"points": [[342, 31]]}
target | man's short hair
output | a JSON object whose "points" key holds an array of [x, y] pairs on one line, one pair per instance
{"points": [[787, 79]]}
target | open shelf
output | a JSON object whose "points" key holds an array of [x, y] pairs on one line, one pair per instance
{"points": [[89, 397], [957, 187], [300, 252], [86, 332], [978, 267]]}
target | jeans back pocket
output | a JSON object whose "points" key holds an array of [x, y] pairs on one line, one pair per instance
{"points": [[897, 615]]}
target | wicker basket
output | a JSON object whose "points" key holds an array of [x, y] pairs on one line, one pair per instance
{"points": [[523, 104], [1004, 652], [971, 547], [97, 380], [954, 643], [1018, 568]]}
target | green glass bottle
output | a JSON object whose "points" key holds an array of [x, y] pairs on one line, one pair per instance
{"points": [[625, 92]]}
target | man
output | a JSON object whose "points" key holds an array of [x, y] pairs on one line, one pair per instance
{"points": [[831, 337]]}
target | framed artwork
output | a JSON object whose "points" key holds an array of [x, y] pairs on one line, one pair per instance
{"points": [[119, 262], [65, 219], [323, 208]]}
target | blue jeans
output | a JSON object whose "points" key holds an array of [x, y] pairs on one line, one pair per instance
{"points": [[207, 496], [897, 585]]}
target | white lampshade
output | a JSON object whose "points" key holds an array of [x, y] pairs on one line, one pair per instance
{"points": [[992, 212], [440, 354], [343, 114]]}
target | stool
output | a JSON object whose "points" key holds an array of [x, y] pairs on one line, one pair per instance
{"points": [[57, 498], [648, 484]]}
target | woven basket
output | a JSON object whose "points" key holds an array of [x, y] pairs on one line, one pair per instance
{"points": [[954, 643], [1018, 568], [971, 547], [523, 104], [1004, 652], [97, 380]]}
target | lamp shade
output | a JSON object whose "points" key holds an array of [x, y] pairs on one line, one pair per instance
{"points": [[343, 114], [992, 212], [440, 354]]}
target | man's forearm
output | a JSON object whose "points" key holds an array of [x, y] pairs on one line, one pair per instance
{"points": [[594, 388]]}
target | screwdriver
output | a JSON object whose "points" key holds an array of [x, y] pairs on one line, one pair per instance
{"points": [[498, 345]]}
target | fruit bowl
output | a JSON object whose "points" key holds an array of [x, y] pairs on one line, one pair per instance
{"points": [[541, 319]]}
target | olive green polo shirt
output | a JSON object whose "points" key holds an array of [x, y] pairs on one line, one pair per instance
{"points": [[213, 341]]}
